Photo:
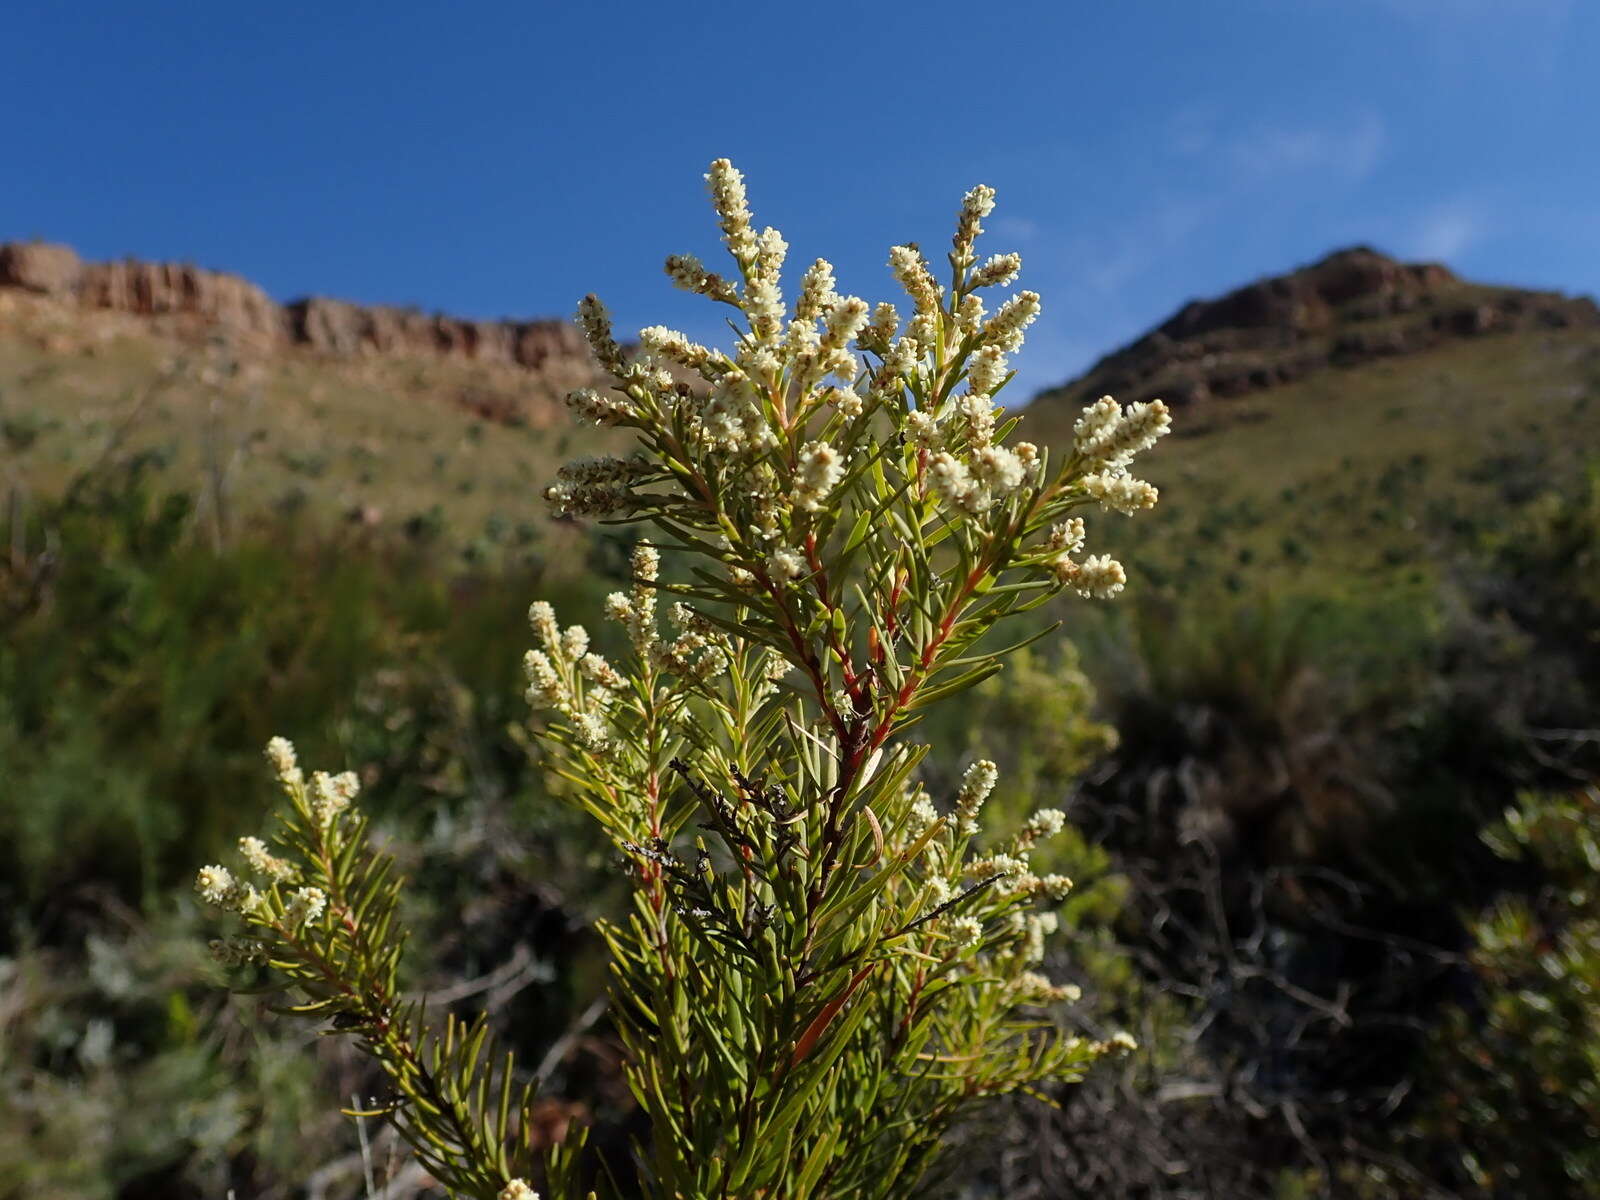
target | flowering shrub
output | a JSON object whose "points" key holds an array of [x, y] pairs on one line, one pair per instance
{"points": [[824, 965]]}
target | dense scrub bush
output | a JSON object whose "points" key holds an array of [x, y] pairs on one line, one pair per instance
{"points": [[1512, 1106], [127, 640], [136, 662]]}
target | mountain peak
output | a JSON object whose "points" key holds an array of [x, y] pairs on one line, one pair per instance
{"points": [[1350, 306]]}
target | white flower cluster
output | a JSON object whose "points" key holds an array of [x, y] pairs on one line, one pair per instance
{"points": [[261, 860], [219, 886], [923, 815], [785, 564], [676, 347], [975, 205], [1008, 326], [304, 906], [215, 885], [987, 370], [1121, 1042], [565, 676], [696, 636], [599, 408], [1106, 439], [964, 931], [689, 273], [1005, 874], [325, 797], [1098, 577], [733, 419], [1034, 988], [879, 332], [1045, 823], [911, 269], [285, 766], [976, 784], [332, 794], [1050, 887], [1120, 492], [597, 486], [1035, 928], [732, 203], [997, 271], [1011, 868], [817, 472], [994, 473], [517, 1189], [1107, 436], [578, 686]]}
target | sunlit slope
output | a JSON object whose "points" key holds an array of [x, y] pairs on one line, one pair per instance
{"points": [[1360, 480], [385, 443]]}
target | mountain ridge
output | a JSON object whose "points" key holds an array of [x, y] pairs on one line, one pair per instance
{"points": [[242, 311], [1352, 306]]}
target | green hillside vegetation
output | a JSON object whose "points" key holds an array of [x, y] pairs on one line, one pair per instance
{"points": [[1357, 483], [392, 442]]}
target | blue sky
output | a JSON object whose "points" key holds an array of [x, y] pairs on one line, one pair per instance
{"points": [[493, 159]]}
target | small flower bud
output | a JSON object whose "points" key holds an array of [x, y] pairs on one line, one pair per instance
{"points": [[255, 853], [964, 931], [281, 756], [214, 884], [304, 906], [976, 784]]}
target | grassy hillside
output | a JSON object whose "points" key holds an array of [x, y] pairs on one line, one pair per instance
{"points": [[1349, 482], [1360, 483], [398, 443]]}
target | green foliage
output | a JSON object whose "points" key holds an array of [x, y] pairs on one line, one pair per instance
{"points": [[325, 922], [1043, 705], [136, 662], [119, 1070], [1514, 1095]]}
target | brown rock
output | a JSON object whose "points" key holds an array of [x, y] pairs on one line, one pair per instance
{"points": [[157, 289], [335, 327], [40, 267]]}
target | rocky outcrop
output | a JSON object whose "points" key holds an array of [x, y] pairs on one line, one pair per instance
{"points": [[337, 327], [40, 267], [552, 350], [178, 289], [1353, 306]]}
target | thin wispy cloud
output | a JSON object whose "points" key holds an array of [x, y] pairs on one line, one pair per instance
{"points": [[1192, 131], [1456, 33], [1351, 148], [1448, 231], [1254, 162], [1110, 263]]}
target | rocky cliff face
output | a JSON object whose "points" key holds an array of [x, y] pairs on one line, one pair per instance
{"points": [[340, 328], [551, 350], [1350, 307]]}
